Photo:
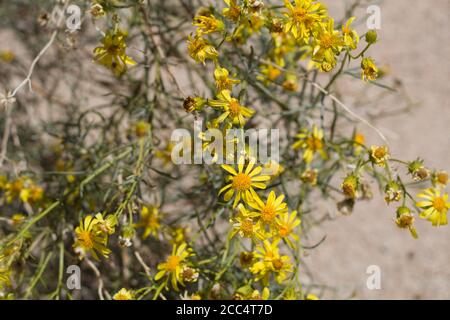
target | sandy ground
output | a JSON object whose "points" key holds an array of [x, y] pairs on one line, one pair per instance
{"points": [[415, 43]]}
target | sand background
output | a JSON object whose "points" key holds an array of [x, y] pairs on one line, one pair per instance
{"points": [[415, 44]]}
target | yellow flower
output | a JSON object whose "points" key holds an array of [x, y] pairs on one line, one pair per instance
{"points": [[405, 220], [311, 143], [270, 262], [141, 129], [273, 168], [303, 18], [97, 10], [440, 178], [351, 37], [233, 12], [309, 176], [208, 24], [179, 235], [359, 141], [241, 183], [269, 73], [256, 295], [290, 83], [392, 192], [269, 211], [369, 69], [350, 186], [418, 170], [223, 82], [244, 225], [112, 54], [286, 224], [24, 189], [175, 263], [232, 109], [311, 296], [200, 49], [435, 206], [191, 104], [149, 221], [89, 238], [7, 56], [379, 155], [328, 44], [108, 225], [124, 294]]}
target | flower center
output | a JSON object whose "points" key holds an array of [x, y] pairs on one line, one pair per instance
{"points": [[268, 213], [241, 182], [314, 143], [299, 14], [235, 108], [439, 204], [442, 178], [277, 264], [327, 41], [247, 227], [86, 238], [273, 74], [283, 231], [380, 153], [172, 263]]}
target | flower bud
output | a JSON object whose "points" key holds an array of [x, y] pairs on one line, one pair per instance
{"points": [[371, 36]]}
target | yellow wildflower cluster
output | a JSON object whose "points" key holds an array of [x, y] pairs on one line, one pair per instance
{"points": [[91, 236], [22, 188]]}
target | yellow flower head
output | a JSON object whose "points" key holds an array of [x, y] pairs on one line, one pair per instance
{"points": [[174, 265], [245, 226], [233, 12], [311, 143], [233, 111], [208, 24], [440, 178], [405, 220], [223, 81], [141, 129], [350, 186], [434, 207], [124, 294], [417, 170], [392, 192], [89, 238], [242, 182], [7, 56], [108, 225], [379, 155], [309, 176], [328, 44], [200, 49], [149, 221], [286, 224], [270, 262], [369, 69], [112, 54], [269, 211], [303, 18], [290, 83], [350, 36]]}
